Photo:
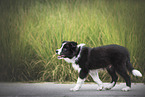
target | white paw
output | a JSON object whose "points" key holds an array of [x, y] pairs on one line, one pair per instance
{"points": [[126, 89], [109, 86], [75, 88], [100, 88]]}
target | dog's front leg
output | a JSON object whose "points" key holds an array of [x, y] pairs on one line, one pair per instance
{"points": [[78, 85], [82, 75]]}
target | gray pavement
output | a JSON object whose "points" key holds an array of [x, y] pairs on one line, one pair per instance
{"points": [[62, 90]]}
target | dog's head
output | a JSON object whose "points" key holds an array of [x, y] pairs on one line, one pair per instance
{"points": [[68, 50]]}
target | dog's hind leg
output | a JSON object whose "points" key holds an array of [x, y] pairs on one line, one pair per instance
{"points": [[123, 72], [111, 71], [95, 76]]}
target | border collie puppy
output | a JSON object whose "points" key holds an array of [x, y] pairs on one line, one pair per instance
{"points": [[86, 60]]}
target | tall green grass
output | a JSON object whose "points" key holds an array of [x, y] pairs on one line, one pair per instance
{"points": [[31, 31]]}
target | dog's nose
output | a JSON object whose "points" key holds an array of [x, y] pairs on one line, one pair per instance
{"points": [[57, 51]]}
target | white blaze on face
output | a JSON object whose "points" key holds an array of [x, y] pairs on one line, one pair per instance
{"points": [[59, 50]]}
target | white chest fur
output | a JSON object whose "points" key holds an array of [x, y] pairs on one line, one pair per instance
{"points": [[70, 60], [75, 66]]}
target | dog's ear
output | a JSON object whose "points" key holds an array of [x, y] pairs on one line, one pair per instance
{"points": [[73, 44], [64, 42]]}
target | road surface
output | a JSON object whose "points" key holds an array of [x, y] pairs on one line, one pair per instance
{"points": [[48, 89]]}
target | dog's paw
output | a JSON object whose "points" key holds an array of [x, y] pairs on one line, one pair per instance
{"points": [[75, 88], [100, 88], [126, 89], [108, 86]]}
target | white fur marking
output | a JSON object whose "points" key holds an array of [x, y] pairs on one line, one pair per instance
{"points": [[76, 67], [136, 73], [70, 60], [59, 50], [78, 85], [109, 86], [82, 44], [95, 76], [126, 89]]}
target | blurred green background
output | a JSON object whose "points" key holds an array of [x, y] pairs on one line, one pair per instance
{"points": [[31, 31]]}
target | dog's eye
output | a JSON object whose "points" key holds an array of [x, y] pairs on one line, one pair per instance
{"points": [[64, 49]]}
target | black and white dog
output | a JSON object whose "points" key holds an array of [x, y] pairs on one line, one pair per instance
{"points": [[88, 60]]}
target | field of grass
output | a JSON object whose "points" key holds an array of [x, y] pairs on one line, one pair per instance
{"points": [[31, 31]]}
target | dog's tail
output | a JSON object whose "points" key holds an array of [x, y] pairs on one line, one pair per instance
{"points": [[132, 70]]}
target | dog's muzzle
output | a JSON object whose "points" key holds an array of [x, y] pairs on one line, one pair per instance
{"points": [[60, 56]]}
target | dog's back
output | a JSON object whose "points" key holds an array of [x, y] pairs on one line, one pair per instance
{"points": [[101, 57]]}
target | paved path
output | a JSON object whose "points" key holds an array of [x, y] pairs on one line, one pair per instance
{"points": [[62, 90]]}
